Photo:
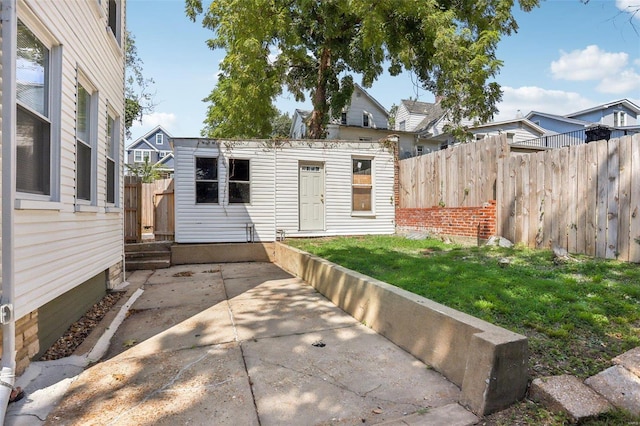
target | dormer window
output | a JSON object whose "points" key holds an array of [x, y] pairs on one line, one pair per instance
{"points": [[159, 139]]}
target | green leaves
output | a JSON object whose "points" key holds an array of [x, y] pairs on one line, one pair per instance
{"points": [[313, 47]]}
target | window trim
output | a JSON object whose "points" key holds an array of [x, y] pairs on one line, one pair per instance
{"points": [[142, 155], [92, 143], [42, 33], [196, 180], [366, 121], [113, 156], [117, 32], [363, 213], [343, 118], [160, 138], [243, 182]]}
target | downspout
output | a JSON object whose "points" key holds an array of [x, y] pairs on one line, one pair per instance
{"points": [[9, 43]]}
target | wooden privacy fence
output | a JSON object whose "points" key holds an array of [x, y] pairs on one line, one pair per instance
{"points": [[462, 176], [149, 209], [584, 198]]}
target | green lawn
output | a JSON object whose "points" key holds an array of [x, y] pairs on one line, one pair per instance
{"points": [[577, 315]]}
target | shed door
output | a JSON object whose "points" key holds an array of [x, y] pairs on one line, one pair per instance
{"points": [[311, 196]]}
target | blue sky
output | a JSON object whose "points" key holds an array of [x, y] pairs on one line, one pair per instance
{"points": [[566, 56]]}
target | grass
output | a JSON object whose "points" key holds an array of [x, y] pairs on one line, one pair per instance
{"points": [[577, 315]]}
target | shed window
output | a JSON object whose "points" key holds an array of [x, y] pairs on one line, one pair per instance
{"points": [[206, 180], [361, 185], [239, 182]]}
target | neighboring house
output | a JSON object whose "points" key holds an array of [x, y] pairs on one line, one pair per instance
{"points": [[238, 191], [516, 130], [155, 147], [62, 116], [620, 117], [364, 119]]}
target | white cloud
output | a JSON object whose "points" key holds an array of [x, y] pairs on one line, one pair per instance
{"points": [[588, 64], [165, 119], [531, 98], [624, 82], [631, 7]]}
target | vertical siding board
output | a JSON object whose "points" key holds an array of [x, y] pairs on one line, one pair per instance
{"points": [[624, 194], [591, 199], [571, 194], [634, 201], [540, 205], [601, 219], [582, 189], [613, 206]]}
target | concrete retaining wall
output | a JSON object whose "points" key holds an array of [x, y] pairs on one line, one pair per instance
{"points": [[184, 254], [488, 362]]}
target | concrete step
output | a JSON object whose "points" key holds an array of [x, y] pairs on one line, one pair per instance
{"points": [[630, 360], [447, 415], [620, 386], [569, 395], [151, 246], [142, 255], [137, 265]]}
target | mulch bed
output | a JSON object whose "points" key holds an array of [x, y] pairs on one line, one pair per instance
{"points": [[79, 330]]}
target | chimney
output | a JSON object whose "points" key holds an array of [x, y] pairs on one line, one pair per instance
{"points": [[519, 114]]}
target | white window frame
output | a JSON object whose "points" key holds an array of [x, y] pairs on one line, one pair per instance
{"points": [[619, 119], [143, 153], [112, 139], [163, 154], [50, 201], [358, 185], [419, 149], [196, 180], [92, 133], [230, 179], [159, 138], [117, 17]]}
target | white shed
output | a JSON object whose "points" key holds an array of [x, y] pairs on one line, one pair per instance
{"points": [[260, 190]]}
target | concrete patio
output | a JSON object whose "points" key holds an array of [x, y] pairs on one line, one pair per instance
{"points": [[248, 343]]}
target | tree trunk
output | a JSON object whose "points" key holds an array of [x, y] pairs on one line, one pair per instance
{"points": [[317, 123]]}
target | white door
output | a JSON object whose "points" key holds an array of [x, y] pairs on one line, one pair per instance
{"points": [[311, 196]]}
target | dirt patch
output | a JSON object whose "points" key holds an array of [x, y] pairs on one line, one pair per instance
{"points": [[79, 330], [183, 274]]}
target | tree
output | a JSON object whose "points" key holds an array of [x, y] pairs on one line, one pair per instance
{"points": [[146, 171], [281, 126], [315, 46], [138, 98]]}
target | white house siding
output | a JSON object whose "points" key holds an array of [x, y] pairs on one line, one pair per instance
{"points": [[411, 120], [520, 134], [361, 103], [274, 190], [57, 248]]}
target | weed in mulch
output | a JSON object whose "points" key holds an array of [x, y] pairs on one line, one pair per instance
{"points": [[183, 274], [79, 330]]}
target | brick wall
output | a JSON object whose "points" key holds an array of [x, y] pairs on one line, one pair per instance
{"points": [[476, 222], [27, 344]]}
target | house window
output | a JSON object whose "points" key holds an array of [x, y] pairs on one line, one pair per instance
{"points": [[112, 157], [361, 185], [365, 120], [239, 183], [206, 180], [85, 136], [343, 118], [114, 18], [403, 125], [141, 156], [510, 137], [164, 154], [33, 123], [419, 150], [619, 118], [159, 139]]}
